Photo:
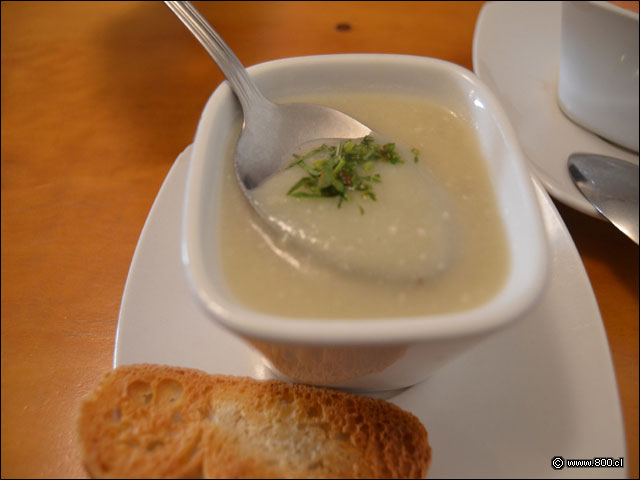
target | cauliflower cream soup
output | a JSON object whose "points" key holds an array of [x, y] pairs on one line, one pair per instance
{"points": [[429, 240]]}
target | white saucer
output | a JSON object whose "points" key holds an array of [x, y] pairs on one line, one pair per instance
{"points": [[542, 388], [516, 52]]}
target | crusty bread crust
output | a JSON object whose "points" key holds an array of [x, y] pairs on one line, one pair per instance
{"points": [[157, 421]]}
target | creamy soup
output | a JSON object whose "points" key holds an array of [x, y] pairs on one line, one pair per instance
{"points": [[401, 229], [431, 242]]}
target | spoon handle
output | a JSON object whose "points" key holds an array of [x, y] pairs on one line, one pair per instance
{"points": [[244, 88]]}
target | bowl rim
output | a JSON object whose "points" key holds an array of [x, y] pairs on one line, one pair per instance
{"points": [[615, 9], [495, 313]]}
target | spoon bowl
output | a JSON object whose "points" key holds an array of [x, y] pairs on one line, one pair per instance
{"points": [[273, 132], [611, 185]]}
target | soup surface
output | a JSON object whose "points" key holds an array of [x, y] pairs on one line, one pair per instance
{"points": [[398, 227], [431, 242]]}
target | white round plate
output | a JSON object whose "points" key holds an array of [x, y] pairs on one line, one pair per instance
{"points": [[516, 49], [544, 387]]}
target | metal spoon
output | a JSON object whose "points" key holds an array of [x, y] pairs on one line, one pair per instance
{"points": [[611, 185], [271, 132]]}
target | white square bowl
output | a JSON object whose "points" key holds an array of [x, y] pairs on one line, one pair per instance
{"points": [[365, 354]]}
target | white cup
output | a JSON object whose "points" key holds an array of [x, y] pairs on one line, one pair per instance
{"points": [[598, 72]]}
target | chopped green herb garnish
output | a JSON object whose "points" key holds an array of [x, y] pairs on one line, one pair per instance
{"points": [[343, 170]]}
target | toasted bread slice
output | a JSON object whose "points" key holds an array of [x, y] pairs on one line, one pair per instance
{"points": [[168, 422]]}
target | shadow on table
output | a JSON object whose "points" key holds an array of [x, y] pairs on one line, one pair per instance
{"points": [[157, 76], [600, 240]]}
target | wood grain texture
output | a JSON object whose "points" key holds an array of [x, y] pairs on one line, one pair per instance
{"points": [[97, 101]]}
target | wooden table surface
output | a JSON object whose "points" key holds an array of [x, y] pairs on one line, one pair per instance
{"points": [[97, 101]]}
